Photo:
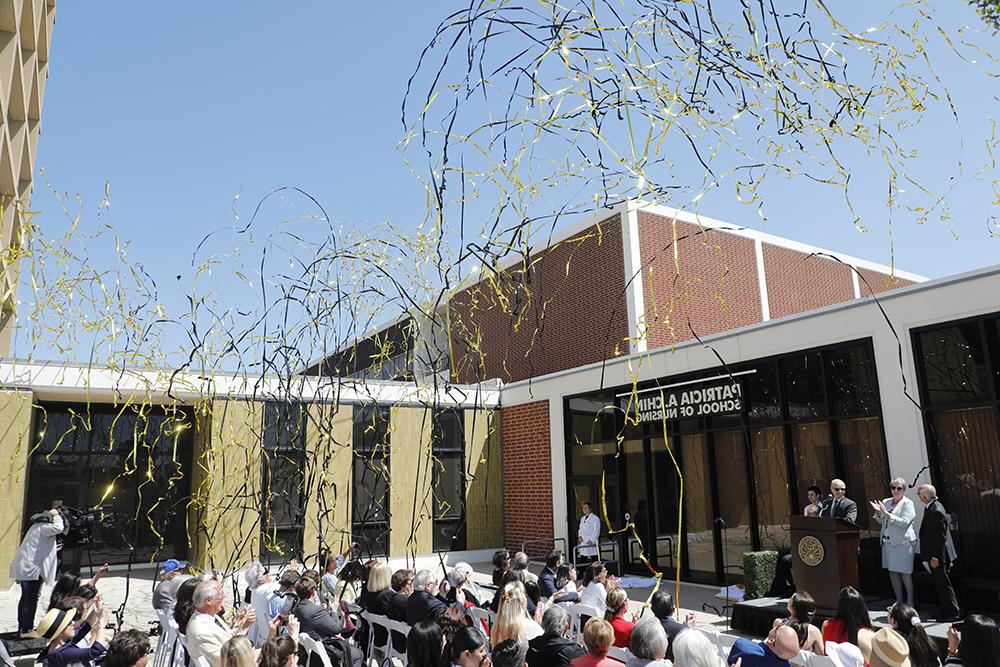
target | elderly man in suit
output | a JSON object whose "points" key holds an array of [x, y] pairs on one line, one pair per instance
{"points": [[206, 631], [938, 550], [840, 506]]}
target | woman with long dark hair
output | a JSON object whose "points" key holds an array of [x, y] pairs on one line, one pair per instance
{"points": [[801, 611], [904, 620], [851, 623], [423, 645], [977, 644], [185, 607]]}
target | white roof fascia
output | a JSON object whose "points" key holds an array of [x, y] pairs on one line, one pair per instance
{"points": [[70, 382]]}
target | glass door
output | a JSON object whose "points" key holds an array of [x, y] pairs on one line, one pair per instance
{"points": [[699, 508], [734, 535], [666, 502], [638, 543]]}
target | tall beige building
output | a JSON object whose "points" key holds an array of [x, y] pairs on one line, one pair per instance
{"points": [[25, 34]]}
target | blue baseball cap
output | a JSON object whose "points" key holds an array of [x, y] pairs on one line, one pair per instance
{"points": [[171, 565]]}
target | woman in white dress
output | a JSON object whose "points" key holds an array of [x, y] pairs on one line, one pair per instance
{"points": [[896, 515]]}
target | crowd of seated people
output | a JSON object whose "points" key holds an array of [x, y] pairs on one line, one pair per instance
{"points": [[531, 625]]}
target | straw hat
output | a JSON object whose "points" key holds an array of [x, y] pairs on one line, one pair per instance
{"points": [[889, 649], [53, 623]]}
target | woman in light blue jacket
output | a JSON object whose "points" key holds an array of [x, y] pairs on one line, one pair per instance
{"points": [[896, 515]]}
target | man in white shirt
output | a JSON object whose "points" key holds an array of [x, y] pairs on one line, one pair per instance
{"points": [[262, 589], [206, 631], [589, 533]]}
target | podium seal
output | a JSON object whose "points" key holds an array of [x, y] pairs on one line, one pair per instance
{"points": [[811, 551]]}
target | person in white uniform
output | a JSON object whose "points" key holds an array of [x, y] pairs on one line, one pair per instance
{"points": [[896, 515], [590, 532]]}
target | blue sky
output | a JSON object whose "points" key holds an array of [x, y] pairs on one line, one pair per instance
{"points": [[180, 106]]}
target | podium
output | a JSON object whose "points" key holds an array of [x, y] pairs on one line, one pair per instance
{"points": [[824, 557]]}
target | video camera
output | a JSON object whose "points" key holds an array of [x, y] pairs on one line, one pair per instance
{"points": [[79, 526]]}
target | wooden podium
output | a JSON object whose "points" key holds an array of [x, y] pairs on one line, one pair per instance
{"points": [[824, 557]]}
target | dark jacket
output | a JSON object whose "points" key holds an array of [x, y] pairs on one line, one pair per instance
{"points": [[552, 651], [846, 509], [422, 606], [673, 628], [316, 621], [547, 583], [69, 653], [935, 535], [379, 603], [397, 607]]}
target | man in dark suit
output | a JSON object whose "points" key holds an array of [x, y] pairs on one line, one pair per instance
{"points": [[547, 577], [662, 605], [402, 587], [423, 604], [840, 506], [938, 551]]}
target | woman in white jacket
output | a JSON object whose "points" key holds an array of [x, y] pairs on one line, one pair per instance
{"points": [[896, 515], [35, 564]]}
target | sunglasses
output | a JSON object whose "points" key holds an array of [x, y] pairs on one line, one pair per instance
{"points": [[898, 488]]}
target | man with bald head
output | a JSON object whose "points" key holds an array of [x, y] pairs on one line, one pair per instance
{"points": [[839, 506], [937, 550], [782, 645]]}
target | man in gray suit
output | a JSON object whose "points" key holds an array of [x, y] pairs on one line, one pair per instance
{"points": [[937, 550]]}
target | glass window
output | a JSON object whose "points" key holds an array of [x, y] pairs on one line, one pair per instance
{"points": [[968, 460], [803, 377], [993, 343], [370, 515], [760, 390], [734, 499], [868, 473], [954, 364], [132, 461], [448, 480], [851, 374], [771, 483], [283, 479], [666, 497], [698, 509], [813, 454]]}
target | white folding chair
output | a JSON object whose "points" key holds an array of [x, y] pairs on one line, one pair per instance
{"points": [[725, 643], [484, 618], [618, 653], [163, 655], [816, 660], [312, 646], [400, 628], [576, 613], [202, 661], [801, 660], [713, 637], [384, 650]]}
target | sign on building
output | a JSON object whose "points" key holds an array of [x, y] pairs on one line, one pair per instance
{"points": [[691, 400]]}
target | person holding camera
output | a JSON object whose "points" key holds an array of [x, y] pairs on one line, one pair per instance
{"points": [[35, 564]]}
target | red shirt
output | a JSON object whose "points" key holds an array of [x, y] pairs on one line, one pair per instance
{"points": [[591, 660], [623, 631]]}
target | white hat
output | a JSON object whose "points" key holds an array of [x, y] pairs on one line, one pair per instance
{"points": [[845, 655]]}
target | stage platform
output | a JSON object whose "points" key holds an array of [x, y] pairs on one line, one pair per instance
{"points": [[755, 617], [18, 647]]}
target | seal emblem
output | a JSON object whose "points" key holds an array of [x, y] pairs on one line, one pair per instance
{"points": [[811, 551]]}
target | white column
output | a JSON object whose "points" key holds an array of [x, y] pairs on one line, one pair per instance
{"points": [[765, 306], [634, 291]]}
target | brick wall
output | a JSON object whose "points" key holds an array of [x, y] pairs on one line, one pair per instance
{"points": [[715, 288], [527, 473], [874, 282], [562, 309], [797, 282]]}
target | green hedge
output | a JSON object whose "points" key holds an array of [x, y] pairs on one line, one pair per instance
{"points": [[758, 572]]}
